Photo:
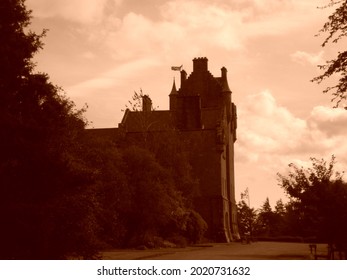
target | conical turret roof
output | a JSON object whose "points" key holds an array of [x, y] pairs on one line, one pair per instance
{"points": [[173, 90]]}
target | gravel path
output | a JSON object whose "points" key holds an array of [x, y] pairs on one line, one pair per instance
{"points": [[229, 251]]}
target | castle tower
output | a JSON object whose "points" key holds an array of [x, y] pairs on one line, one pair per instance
{"points": [[202, 110], [204, 113]]}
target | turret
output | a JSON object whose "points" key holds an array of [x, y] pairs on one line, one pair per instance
{"points": [[173, 97]]}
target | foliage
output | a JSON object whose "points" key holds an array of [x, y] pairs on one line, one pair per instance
{"points": [[17, 48], [246, 218], [158, 207], [152, 191], [318, 198], [136, 104], [336, 27], [138, 194], [272, 223], [46, 195], [265, 219], [173, 153], [195, 227], [110, 184]]}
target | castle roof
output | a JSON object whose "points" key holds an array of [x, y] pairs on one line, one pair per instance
{"points": [[140, 121], [173, 90]]}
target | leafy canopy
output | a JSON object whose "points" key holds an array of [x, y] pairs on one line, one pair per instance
{"points": [[318, 198], [336, 27]]}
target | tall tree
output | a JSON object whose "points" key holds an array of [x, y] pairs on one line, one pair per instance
{"points": [[246, 218], [280, 208], [265, 220], [336, 27], [46, 203], [318, 198]]}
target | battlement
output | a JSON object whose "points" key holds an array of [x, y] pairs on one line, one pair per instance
{"points": [[200, 64]]}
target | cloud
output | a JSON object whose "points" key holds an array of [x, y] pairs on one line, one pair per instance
{"points": [[266, 127], [268, 131], [186, 28], [303, 58], [108, 92], [115, 77], [331, 116], [85, 12], [270, 137], [331, 122]]}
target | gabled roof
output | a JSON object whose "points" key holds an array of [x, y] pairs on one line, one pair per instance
{"points": [[140, 121]]}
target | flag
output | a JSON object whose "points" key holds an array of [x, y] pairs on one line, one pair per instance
{"points": [[176, 68]]}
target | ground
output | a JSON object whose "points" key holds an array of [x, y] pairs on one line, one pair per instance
{"points": [[222, 251]]}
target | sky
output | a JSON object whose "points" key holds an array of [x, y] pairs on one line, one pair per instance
{"points": [[101, 51]]}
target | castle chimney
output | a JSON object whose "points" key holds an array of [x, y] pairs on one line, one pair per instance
{"points": [[146, 103], [224, 73], [200, 64]]}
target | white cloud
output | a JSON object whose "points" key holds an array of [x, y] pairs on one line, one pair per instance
{"points": [[269, 132], [86, 11], [113, 77], [267, 127], [331, 123], [187, 28], [302, 57], [270, 137]]}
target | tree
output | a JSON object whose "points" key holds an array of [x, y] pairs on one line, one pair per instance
{"points": [[336, 27], [280, 208], [246, 218], [266, 220], [17, 48], [157, 208], [162, 151], [318, 197], [110, 186], [46, 195]]}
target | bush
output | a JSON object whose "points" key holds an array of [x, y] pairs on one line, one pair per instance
{"points": [[195, 227]]}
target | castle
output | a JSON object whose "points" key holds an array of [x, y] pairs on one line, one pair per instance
{"points": [[202, 110]]}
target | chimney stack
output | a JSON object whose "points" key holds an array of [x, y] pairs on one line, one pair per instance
{"points": [[146, 104], [200, 64]]}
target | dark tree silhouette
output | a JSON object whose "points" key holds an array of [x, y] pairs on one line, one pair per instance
{"points": [[46, 203], [265, 219], [246, 218], [336, 27], [318, 198]]}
